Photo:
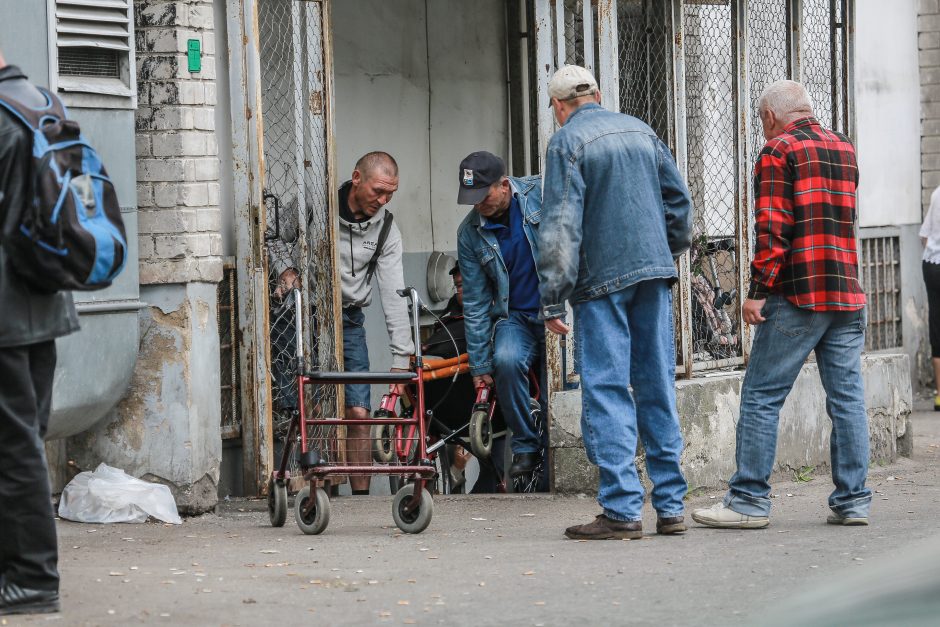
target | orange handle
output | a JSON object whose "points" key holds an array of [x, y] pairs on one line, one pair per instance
{"points": [[437, 364], [444, 373]]}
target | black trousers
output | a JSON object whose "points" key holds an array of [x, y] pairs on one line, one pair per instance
{"points": [[932, 282], [28, 549]]}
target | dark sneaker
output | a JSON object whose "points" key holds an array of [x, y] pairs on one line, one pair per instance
{"points": [[523, 463], [670, 525], [15, 599], [604, 528]]}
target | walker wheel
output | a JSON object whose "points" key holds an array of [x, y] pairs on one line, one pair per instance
{"points": [[316, 521], [277, 502], [383, 440], [418, 519], [481, 434]]}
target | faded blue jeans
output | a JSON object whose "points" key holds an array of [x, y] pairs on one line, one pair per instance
{"points": [[518, 345], [781, 345], [622, 339]]}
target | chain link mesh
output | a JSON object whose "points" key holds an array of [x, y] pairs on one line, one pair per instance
{"points": [[816, 56], [713, 178], [298, 233], [645, 64], [574, 32]]}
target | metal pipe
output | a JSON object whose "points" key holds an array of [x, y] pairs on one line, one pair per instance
{"points": [[99, 307]]}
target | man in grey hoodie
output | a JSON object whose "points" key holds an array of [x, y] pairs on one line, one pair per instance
{"points": [[362, 221]]}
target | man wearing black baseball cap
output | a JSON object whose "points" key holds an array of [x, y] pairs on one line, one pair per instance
{"points": [[497, 245]]}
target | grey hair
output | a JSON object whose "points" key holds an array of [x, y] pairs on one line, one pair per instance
{"points": [[787, 99]]}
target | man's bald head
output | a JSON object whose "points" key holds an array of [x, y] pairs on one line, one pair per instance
{"points": [[377, 162], [3, 62]]}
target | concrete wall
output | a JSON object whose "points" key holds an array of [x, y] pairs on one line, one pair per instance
{"points": [[887, 88], [107, 343], [709, 411], [430, 88]]}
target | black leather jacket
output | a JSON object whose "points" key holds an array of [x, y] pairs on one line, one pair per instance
{"points": [[26, 317]]}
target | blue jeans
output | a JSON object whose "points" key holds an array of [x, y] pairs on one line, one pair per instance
{"points": [[519, 344], [355, 356], [781, 345], [625, 338]]}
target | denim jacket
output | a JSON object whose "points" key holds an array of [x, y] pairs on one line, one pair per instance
{"points": [[485, 276], [617, 211]]}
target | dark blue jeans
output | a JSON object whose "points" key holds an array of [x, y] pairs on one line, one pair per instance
{"points": [[355, 356], [519, 345], [781, 345]]}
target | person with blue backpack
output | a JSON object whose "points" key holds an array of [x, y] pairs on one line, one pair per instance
{"points": [[60, 230]]}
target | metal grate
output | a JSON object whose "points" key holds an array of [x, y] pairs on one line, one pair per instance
{"points": [[767, 62], [574, 32], [93, 24], [298, 234], [713, 179], [881, 276], [230, 374], [816, 56], [96, 62], [645, 64]]}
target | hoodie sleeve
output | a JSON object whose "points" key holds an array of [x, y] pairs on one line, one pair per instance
{"points": [[391, 277]]}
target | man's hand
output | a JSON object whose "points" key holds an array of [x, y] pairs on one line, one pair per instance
{"points": [[752, 311], [289, 280], [398, 388], [484, 379], [557, 326]]}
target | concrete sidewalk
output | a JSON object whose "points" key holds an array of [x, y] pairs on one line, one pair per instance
{"points": [[484, 561]]}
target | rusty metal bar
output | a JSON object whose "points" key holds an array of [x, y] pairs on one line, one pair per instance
{"points": [[795, 15], [587, 22], [558, 7], [743, 214]]}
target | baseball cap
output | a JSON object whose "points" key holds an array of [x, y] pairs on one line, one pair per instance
{"points": [[571, 81], [477, 172]]}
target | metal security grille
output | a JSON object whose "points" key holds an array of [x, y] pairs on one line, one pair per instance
{"points": [[645, 64], [881, 276], [298, 236], [712, 135], [767, 57], [89, 62], [574, 32], [816, 70], [229, 370]]}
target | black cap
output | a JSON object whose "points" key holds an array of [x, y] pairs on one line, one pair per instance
{"points": [[477, 172]]}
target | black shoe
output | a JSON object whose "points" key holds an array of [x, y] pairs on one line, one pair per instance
{"points": [[15, 599], [523, 463]]}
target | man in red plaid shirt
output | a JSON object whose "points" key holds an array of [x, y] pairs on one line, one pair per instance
{"points": [[804, 297]]}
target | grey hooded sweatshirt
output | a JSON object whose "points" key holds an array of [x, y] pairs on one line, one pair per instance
{"points": [[357, 242]]}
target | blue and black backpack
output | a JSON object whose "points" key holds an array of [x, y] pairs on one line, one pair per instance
{"points": [[69, 235]]}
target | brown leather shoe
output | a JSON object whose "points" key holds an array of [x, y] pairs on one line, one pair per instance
{"points": [[604, 528], [671, 525]]}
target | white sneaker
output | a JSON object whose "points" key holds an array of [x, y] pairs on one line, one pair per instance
{"points": [[724, 518], [838, 519]]}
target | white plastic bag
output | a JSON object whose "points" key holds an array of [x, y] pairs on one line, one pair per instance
{"points": [[109, 495]]}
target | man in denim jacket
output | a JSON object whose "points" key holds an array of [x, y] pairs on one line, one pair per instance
{"points": [[498, 247], [615, 215]]}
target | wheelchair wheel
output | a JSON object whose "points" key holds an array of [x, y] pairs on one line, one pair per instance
{"points": [[316, 521], [481, 434], [383, 440], [418, 519], [277, 502]]}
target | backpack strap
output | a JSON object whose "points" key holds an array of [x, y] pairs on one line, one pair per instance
{"points": [[383, 235], [34, 119]]}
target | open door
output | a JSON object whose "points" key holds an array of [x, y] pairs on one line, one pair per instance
{"points": [[281, 90]]}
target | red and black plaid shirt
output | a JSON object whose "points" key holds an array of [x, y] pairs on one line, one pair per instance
{"points": [[804, 182]]}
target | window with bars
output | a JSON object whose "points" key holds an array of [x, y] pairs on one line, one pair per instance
{"points": [[881, 278], [93, 51]]}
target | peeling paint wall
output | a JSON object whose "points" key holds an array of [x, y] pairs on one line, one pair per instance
{"points": [[709, 411], [166, 428]]}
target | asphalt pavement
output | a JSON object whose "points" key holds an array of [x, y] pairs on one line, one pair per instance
{"points": [[488, 561]]}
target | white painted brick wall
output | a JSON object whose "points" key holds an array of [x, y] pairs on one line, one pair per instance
{"points": [[177, 164], [928, 41]]}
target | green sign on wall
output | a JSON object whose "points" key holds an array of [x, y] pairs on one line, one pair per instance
{"points": [[194, 55]]}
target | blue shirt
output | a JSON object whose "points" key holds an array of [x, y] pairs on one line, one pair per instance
{"points": [[517, 255]]}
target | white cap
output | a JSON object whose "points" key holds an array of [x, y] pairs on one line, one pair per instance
{"points": [[571, 81]]}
